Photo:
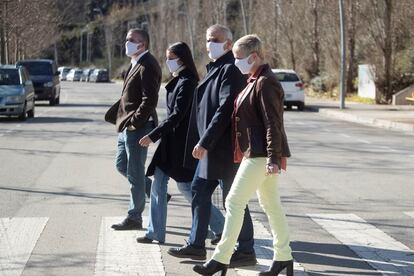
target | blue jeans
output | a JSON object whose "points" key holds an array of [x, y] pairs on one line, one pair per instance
{"points": [[158, 207], [216, 222], [130, 162], [202, 190]]}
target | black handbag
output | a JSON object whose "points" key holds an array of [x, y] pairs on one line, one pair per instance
{"points": [[110, 115]]}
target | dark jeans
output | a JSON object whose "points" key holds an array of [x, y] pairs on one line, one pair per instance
{"points": [[202, 190]]}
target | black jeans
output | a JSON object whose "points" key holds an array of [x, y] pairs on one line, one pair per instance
{"points": [[202, 190]]}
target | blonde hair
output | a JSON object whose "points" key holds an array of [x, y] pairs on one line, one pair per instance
{"points": [[250, 44]]}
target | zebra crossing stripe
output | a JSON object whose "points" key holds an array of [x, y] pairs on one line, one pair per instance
{"points": [[411, 214], [18, 237], [378, 249], [263, 246], [118, 253]]}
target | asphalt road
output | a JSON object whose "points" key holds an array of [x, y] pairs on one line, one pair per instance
{"points": [[348, 194]]}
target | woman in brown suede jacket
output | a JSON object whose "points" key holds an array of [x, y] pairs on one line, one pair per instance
{"points": [[260, 144]]}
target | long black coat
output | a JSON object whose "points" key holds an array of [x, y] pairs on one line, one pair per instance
{"points": [[169, 155], [210, 122]]}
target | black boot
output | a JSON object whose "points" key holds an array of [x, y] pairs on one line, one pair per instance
{"points": [[210, 268], [277, 267]]}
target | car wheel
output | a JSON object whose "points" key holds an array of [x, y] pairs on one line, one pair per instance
{"points": [[301, 106], [23, 115], [31, 113]]}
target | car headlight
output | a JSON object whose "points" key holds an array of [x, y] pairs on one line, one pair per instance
{"points": [[15, 99], [48, 84]]}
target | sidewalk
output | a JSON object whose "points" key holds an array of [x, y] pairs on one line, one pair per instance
{"points": [[398, 118]]}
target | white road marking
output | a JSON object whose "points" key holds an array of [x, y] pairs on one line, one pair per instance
{"points": [[118, 252], [18, 237], [263, 246], [364, 141], [411, 214], [345, 135], [378, 249]]}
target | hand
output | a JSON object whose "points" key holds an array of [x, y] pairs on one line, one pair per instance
{"points": [[283, 163], [145, 141], [272, 169], [199, 152]]}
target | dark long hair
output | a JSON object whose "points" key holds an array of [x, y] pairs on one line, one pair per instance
{"points": [[183, 52]]}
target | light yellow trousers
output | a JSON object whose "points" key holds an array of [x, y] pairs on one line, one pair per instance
{"points": [[251, 177]]}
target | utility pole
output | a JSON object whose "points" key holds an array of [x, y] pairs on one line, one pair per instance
{"points": [[342, 89]]}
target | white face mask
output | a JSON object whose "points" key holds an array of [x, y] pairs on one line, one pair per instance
{"points": [[215, 50], [172, 64], [243, 65], [131, 48]]}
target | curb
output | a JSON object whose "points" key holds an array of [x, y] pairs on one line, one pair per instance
{"points": [[379, 123]]}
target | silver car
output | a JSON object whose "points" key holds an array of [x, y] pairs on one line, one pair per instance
{"points": [[17, 97]]}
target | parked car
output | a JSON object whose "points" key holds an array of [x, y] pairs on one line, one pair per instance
{"points": [[45, 77], [64, 70], [86, 74], [74, 74], [293, 87], [17, 94], [99, 75]]}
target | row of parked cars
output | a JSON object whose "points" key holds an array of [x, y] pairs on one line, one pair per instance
{"points": [[86, 74], [24, 83]]}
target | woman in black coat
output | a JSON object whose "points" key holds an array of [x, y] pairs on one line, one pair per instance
{"points": [[169, 155]]}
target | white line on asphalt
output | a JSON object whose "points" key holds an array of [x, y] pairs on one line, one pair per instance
{"points": [[118, 253], [378, 249], [263, 246], [19, 125], [411, 214], [364, 141], [346, 135], [18, 237]]}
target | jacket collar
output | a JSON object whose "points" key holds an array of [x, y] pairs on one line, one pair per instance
{"points": [[213, 67], [226, 58], [185, 73], [263, 69]]}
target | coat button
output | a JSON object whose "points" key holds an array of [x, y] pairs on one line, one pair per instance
{"points": [[238, 134], [237, 119]]}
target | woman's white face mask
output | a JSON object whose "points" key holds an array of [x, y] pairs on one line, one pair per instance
{"points": [[173, 65], [244, 65], [215, 49], [131, 48]]}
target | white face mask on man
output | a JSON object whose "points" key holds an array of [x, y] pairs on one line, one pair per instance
{"points": [[215, 49], [173, 65], [244, 65], [131, 48]]}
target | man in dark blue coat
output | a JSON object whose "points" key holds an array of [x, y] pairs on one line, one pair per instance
{"points": [[210, 140]]}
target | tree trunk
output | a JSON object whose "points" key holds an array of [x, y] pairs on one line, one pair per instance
{"points": [[351, 46], [315, 46], [388, 49]]}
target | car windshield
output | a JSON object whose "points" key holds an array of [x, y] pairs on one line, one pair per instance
{"points": [[38, 68], [66, 70], [9, 77], [288, 77]]}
